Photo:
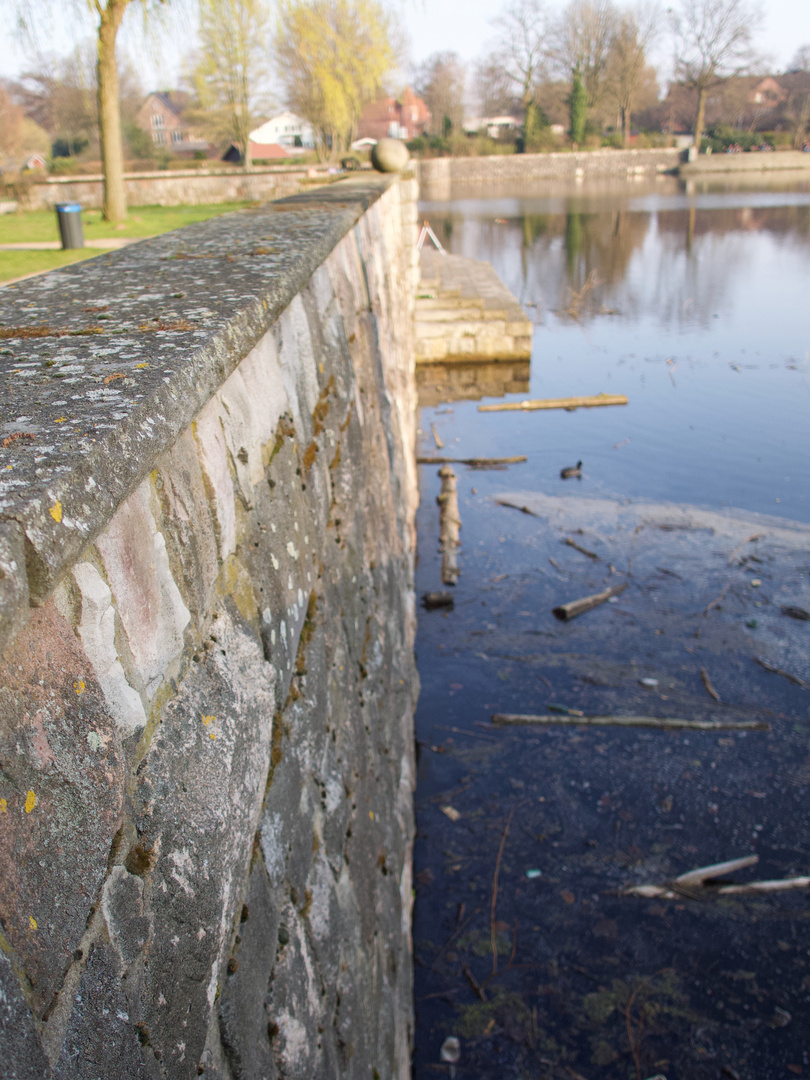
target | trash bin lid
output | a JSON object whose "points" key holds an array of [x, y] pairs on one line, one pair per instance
{"points": [[69, 207]]}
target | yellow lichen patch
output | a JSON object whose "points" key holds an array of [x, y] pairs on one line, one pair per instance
{"points": [[79, 686], [56, 511], [144, 364], [60, 420], [208, 719], [212, 734], [371, 814], [3, 806], [32, 922], [30, 802]]}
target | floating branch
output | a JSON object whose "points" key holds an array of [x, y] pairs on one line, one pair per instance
{"points": [[473, 462], [778, 671], [587, 402], [705, 877], [664, 723], [564, 612], [581, 550]]}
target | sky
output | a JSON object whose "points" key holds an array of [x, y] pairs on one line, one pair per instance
{"points": [[432, 26]]}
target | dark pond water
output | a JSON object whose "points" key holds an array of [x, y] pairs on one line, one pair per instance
{"points": [[695, 305]]}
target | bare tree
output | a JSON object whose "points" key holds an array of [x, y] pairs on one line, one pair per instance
{"points": [[801, 61], [581, 42], [713, 42], [628, 75], [521, 45], [493, 88], [439, 81]]}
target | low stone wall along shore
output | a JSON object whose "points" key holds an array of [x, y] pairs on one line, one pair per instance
{"points": [[207, 679]]}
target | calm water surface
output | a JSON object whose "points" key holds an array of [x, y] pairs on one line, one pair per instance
{"points": [[696, 304]]}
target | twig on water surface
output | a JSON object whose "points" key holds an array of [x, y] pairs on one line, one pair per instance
{"points": [[665, 723], [495, 895], [741, 545], [578, 295], [473, 462], [477, 988], [581, 550], [707, 682], [514, 506], [635, 1042], [778, 671], [436, 438]]}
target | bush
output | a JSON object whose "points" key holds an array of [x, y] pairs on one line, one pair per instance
{"points": [[722, 136], [64, 166]]}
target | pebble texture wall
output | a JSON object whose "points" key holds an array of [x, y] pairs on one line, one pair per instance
{"points": [[207, 496]]}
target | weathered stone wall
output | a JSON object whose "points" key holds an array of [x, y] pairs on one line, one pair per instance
{"points": [[756, 162], [436, 174], [180, 188], [207, 496]]}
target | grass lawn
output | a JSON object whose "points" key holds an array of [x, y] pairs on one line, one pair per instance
{"points": [[41, 225]]}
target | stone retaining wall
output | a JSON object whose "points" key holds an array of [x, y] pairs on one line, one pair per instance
{"points": [[436, 174], [182, 188], [207, 497]]}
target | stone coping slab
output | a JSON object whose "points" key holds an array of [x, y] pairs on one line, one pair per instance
{"points": [[105, 362]]}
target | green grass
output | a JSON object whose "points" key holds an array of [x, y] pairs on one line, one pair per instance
{"points": [[39, 225]]}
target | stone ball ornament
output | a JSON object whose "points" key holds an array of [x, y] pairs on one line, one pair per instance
{"points": [[390, 155]]}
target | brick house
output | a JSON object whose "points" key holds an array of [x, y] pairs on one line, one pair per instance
{"points": [[396, 118], [161, 117]]}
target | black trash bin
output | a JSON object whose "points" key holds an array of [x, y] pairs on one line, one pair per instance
{"points": [[69, 215]]}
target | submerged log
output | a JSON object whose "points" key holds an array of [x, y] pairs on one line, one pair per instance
{"points": [[665, 723]]}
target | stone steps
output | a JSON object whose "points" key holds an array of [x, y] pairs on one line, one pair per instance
{"points": [[464, 312]]}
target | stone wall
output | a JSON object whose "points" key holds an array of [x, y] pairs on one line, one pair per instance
{"points": [[207, 497], [181, 188], [756, 162], [437, 175]]}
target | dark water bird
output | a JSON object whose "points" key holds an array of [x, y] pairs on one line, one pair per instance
{"points": [[571, 471]]}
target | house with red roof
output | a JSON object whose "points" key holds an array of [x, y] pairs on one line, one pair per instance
{"points": [[404, 117]]}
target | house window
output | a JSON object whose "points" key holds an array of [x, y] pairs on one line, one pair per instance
{"points": [[177, 136], [159, 137], [158, 120]]}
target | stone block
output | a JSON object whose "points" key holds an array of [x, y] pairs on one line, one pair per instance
{"points": [[22, 1055], [148, 601], [197, 805], [61, 793], [213, 452], [13, 583], [102, 1027], [244, 1017], [187, 525]]}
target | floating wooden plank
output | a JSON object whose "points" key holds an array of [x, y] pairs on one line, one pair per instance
{"points": [[449, 525], [665, 723], [557, 403]]}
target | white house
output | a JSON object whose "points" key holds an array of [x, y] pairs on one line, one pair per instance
{"points": [[287, 130]]}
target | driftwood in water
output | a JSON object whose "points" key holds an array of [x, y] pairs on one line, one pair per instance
{"points": [[433, 600], [473, 462], [564, 612], [587, 402], [581, 550], [665, 723], [705, 878], [436, 437], [449, 525], [778, 671], [707, 682]]}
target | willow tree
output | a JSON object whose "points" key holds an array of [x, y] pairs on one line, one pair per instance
{"points": [[628, 74], [232, 65], [333, 56]]}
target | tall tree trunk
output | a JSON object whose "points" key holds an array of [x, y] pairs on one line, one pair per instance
{"points": [[109, 112], [701, 116], [626, 125]]}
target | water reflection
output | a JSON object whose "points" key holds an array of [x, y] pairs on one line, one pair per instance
{"points": [[441, 383], [674, 247], [691, 301]]}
